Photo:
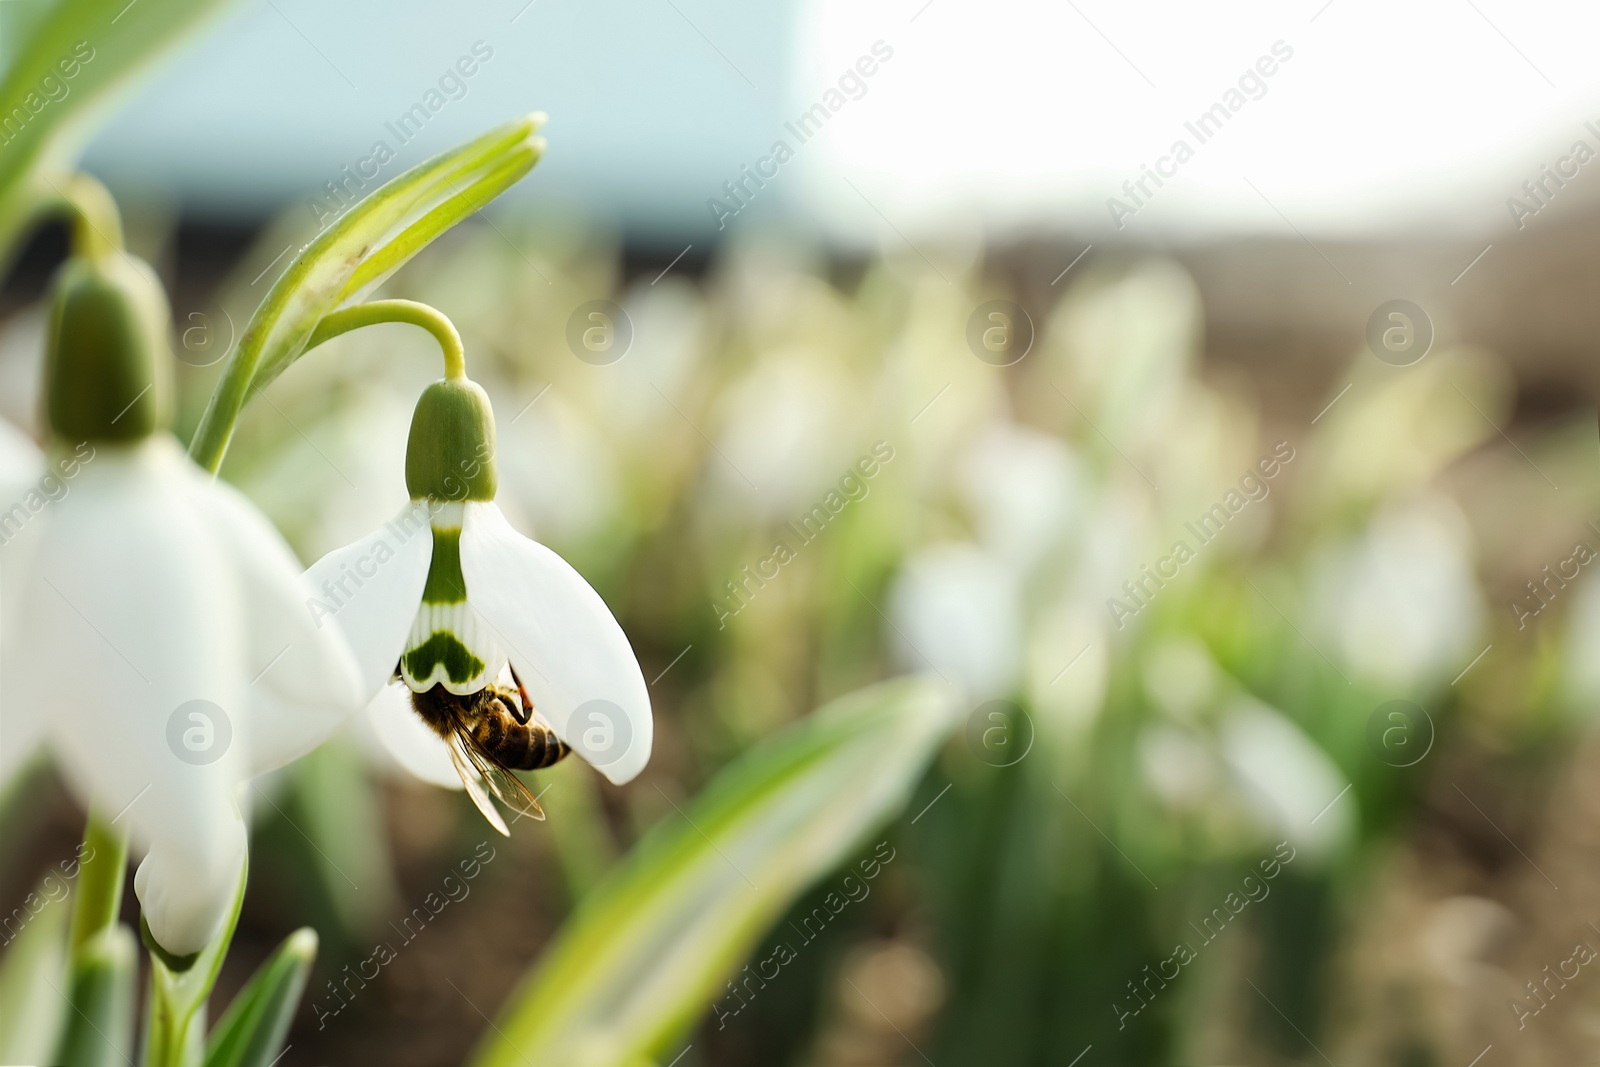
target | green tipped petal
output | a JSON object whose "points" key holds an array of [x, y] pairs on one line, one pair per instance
{"points": [[445, 650]]}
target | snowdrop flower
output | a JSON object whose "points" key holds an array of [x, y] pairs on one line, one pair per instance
{"points": [[1022, 488], [1402, 603], [958, 609], [448, 596], [1291, 782], [156, 637]]}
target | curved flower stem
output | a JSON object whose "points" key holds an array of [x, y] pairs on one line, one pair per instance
{"points": [[96, 223], [409, 311], [102, 859]]}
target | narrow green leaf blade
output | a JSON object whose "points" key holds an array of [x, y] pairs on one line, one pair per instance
{"points": [[251, 1032], [45, 113], [643, 956], [354, 255], [32, 971], [98, 1027]]}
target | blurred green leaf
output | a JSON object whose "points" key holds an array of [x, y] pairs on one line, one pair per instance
{"points": [[98, 1028], [101, 871], [354, 255], [251, 1032], [584, 846], [32, 973], [104, 43], [642, 957], [337, 809]]}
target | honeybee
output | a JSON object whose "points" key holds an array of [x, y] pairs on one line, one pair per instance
{"points": [[491, 733]]}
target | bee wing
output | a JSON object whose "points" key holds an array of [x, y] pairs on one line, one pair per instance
{"points": [[461, 756], [506, 787]]}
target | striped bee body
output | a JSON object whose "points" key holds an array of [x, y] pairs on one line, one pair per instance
{"points": [[490, 720]]}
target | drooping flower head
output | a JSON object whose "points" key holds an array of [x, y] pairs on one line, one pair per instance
{"points": [[155, 636], [447, 596]]}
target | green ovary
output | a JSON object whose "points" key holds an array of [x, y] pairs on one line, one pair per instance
{"points": [[446, 649]]}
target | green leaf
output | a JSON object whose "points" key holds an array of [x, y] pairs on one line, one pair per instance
{"points": [[354, 255], [337, 809], [179, 987], [32, 973], [98, 1026], [251, 1032], [104, 43], [645, 954], [102, 868]]}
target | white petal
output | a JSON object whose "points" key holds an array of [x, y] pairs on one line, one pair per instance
{"points": [[563, 641], [185, 894], [20, 462], [303, 677], [21, 524], [399, 733], [133, 651], [372, 590]]}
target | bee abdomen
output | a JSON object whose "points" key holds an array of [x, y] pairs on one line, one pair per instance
{"points": [[528, 746]]}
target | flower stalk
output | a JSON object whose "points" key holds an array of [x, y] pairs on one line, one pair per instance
{"points": [[96, 223], [101, 873], [375, 312]]}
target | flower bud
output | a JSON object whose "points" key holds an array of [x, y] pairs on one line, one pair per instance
{"points": [[107, 356], [450, 453]]}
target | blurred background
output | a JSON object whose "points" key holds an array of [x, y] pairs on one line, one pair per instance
{"points": [[1227, 382]]}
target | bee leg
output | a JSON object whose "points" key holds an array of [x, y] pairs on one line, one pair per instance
{"points": [[527, 701]]}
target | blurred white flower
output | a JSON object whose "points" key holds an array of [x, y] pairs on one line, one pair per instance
{"points": [[1069, 666], [159, 641], [1129, 341], [1177, 766], [783, 439], [557, 472], [669, 328], [957, 608], [1291, 782], [1581, 662], [1402, 603], [1022, 488]]}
